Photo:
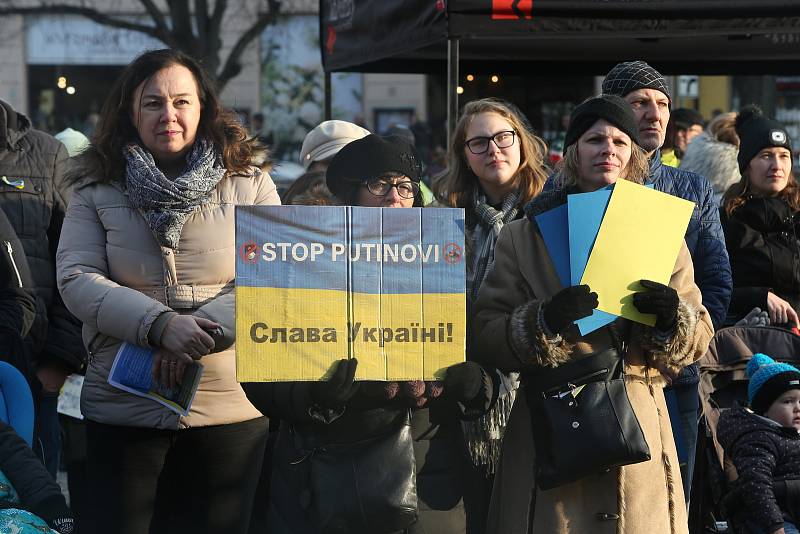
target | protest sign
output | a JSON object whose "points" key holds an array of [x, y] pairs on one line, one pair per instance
{"points": [[318, 284], [640, 238]]}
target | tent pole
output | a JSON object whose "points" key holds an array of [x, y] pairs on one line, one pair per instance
{"points": [[327, 95], [452, 85]]}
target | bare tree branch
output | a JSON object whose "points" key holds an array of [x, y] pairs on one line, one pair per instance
{"points": [[232, 65], [93, 14], [174, 28], [216, 18], [201, 20], [156, 15]]}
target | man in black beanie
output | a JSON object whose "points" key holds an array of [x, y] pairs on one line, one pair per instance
{"points": [[647, 92]]}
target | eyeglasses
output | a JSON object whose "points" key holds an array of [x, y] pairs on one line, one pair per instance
{"points": [[381, 188], [479, 145]]}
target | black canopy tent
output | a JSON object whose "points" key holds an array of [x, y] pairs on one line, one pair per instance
{"points": [[558, 36]]}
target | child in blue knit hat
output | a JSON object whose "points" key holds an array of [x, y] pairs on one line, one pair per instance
{"points": [[764, 444]]}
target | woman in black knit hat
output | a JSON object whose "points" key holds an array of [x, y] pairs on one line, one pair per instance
{"points": [[524, 322], [760, 221]]}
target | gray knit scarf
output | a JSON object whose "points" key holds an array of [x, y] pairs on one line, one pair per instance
{"points": [[484, 237], [167, 203], [484, 436]]}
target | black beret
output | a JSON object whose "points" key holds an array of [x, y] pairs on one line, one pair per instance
{"points": [[369, 158]]}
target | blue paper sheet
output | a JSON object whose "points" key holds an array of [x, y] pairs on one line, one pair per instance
{"points": [[585, 214], [554, 226]]}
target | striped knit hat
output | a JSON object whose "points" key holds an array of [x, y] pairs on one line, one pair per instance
{"points": [[768, 380], [629, 76]]}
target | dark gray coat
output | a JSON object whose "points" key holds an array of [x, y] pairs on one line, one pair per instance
{"points": [[32, 195]]}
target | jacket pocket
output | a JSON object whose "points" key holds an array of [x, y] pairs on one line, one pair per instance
{"points": [[23, 201]]}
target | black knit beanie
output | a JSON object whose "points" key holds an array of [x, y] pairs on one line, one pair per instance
{"points": [[366, 159], [757, 132], [629, 76], [608, 107]]}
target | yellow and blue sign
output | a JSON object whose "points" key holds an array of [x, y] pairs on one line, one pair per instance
{"points": [[316, 284]]}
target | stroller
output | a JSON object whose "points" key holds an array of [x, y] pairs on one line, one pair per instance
{"points": [[723, 382]]}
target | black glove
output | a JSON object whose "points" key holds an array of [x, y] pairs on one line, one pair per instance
{"points": [[567, 306], [464, 382], [55, 512], [660, 300], [339, 388]]}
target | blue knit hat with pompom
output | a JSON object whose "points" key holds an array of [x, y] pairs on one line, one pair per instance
{"points": [[768, 380]]}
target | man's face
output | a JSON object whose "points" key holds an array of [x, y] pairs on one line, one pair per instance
{"points": [[651, 109], [684, 137]]}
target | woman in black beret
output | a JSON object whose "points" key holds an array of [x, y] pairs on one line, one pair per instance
{"points": [[373, 172]]}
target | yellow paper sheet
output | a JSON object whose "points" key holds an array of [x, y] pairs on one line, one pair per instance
{"points": [[640, 238]]}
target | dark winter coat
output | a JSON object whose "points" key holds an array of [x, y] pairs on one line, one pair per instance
{"points": [[17, 299], [764, 453], [704, 236], [762, 242], [705, 241], [32, 195], [439, 454], [37, 490]]}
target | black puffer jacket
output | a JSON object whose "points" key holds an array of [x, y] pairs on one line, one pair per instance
{"points": [[17, 299], [37, 490], [762, 241], [32, 195], [763, 453]]}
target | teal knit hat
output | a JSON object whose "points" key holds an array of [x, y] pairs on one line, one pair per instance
{"points": [[768, 380]]}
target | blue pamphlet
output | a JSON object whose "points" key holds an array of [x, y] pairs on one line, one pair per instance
{"points": [[132, 372]]}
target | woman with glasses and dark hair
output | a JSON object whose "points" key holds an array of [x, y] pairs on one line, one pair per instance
{"points": [[147, 257], [379, 172], [495, 166]]}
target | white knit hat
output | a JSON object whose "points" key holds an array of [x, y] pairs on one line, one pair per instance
{"points": [[324, 141], [74, 140]]}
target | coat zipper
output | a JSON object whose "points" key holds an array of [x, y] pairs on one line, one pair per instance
{"points": [[13, 263]]}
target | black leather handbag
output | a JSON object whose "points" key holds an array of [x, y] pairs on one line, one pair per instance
{"points": [[583, 422], [366, 486]]}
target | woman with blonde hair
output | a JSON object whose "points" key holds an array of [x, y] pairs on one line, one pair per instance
{"points": [[524, 322], [495, 166]]}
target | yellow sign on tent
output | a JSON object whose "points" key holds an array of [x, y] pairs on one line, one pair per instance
{"points": [[640, 238]]}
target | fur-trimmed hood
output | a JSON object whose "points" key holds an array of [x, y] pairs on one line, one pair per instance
{"points": [[716, 160]]}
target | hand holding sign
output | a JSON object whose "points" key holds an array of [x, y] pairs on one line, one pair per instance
{"points": [[660, 300], [567, 306], [340, 388]]}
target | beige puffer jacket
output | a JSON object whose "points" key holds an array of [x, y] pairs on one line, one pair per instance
{"points": [[116, 278]]}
